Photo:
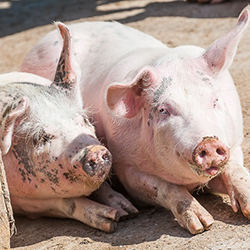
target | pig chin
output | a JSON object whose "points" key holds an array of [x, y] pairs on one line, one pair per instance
{"points": [[209, 173]]}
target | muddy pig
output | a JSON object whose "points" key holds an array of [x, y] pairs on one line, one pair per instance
{"points": [[52, 157], [171, 116]]}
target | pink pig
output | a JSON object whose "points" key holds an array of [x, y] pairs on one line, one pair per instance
{"points": [[171, 117], [52, 157]]}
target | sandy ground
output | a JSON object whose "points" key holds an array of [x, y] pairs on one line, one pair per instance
{"points": [[175, 23]]}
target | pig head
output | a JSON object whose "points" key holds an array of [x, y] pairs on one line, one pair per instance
{"points": [[50, 123], [182, 118], [170, 116]]}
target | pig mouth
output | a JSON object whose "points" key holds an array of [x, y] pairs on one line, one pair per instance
{"points": [[102, 175], [210, 172]]}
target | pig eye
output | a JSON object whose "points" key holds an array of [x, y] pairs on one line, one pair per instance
{"points": [[42, 138], [86, 121], [164, 111]]}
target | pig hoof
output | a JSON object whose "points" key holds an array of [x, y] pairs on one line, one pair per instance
{"points": [[197, 225], [127, 210], [193, 217], [109, 227], [246, 211], [201, 228], [109, 197], [124, 207], [111, 214], [105, 219], [113, 227], [108, 223]]}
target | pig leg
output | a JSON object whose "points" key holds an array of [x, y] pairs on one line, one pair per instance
{"points": [[234, 181], [153, 190], [106, 195], [81, 208]]}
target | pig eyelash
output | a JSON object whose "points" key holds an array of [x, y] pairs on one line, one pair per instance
{"points": [[215, 102], [87, 121], [164, 111]]}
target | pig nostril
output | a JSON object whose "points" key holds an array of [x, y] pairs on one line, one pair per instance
{"points": [[220, 151], [202, 154], [89, 167], [105, 157], [92, 164]]}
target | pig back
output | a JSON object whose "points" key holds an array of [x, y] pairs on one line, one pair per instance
{"points": [[98, 46]]}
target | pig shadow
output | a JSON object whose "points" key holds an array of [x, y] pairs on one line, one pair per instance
{"points": [[190, 10], [150, 225], [16, 16]]}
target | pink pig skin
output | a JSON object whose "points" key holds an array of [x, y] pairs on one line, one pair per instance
{"points": [[52, 157], [171, 116]]}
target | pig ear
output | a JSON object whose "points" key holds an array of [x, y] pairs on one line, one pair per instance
{"points": [[9, 116], [126, 100], [219, 56], [65, 76]]}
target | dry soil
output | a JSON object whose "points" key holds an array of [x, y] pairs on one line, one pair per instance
{"points": [[175, 23]]}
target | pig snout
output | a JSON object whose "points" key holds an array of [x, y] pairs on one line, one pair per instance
{"points": [[96, 161], [211, 155]]}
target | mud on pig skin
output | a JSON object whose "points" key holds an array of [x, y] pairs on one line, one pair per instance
{"points": [[52, 157], [171, 116]]}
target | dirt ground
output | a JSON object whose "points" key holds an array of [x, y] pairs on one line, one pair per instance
{"points": [[175, 23]]}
